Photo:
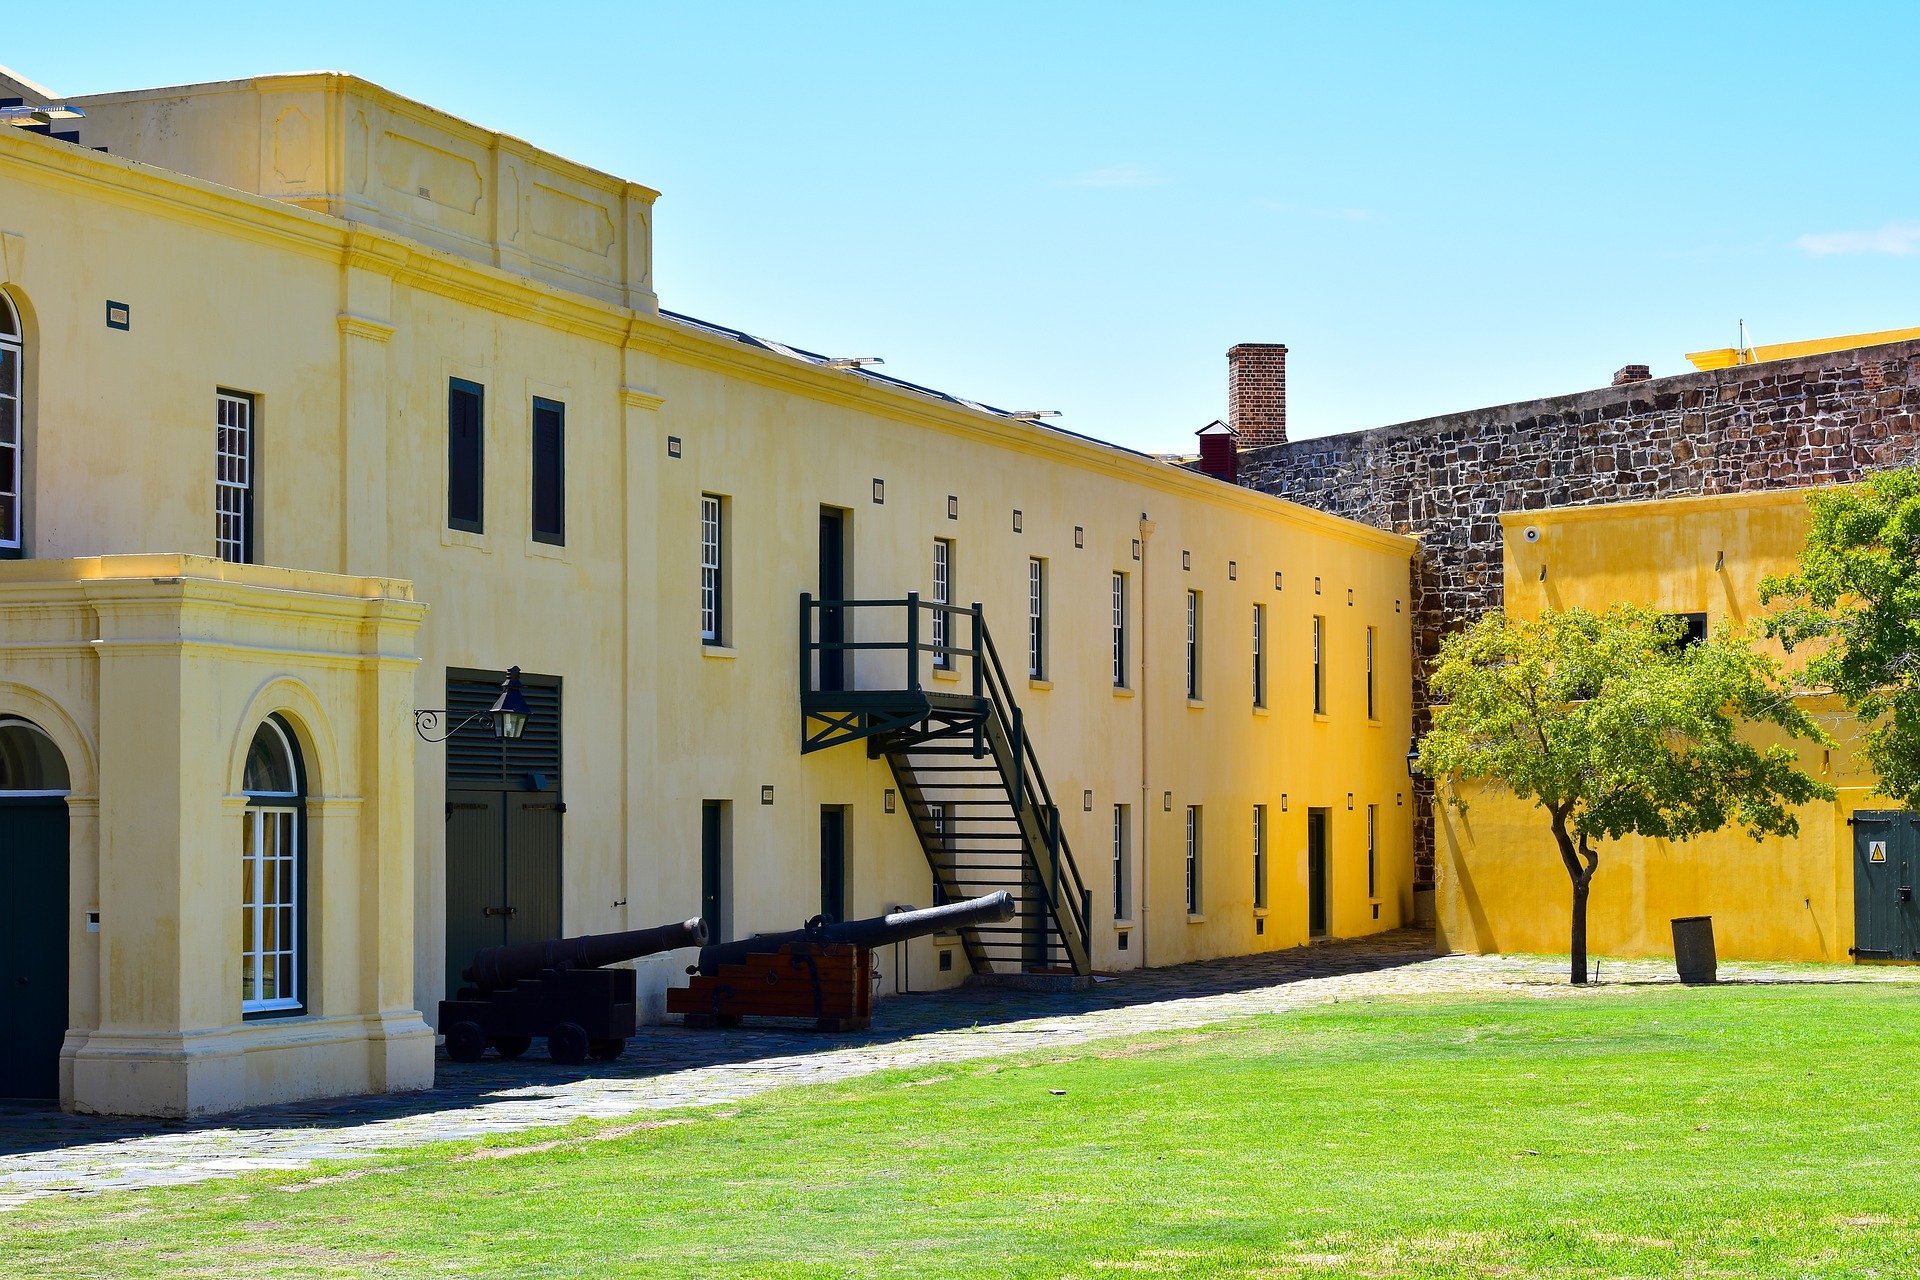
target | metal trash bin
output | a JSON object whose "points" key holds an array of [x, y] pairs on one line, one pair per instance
{"points": [[1693, 949]]}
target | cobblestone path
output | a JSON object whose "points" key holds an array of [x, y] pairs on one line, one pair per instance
{"points": [[46, 1152]]}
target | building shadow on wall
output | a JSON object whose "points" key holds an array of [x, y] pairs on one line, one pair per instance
{"points": [[667, 1049]]}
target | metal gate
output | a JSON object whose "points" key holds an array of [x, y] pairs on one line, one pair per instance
{"points": [[1886, 854], [33, 946]]}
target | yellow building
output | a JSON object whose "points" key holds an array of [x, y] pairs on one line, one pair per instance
{"points": [[322, 407], [1500, 884]]}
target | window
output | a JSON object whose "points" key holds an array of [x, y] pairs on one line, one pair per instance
{"points": [[1036, 618], [1122, 864], [1373, 828], [1694, 628], [549, 471], [1319, 667], [271, 874], [710, 568], [1260, 856], [1259, 655], [1372, 645], [466, 462], [1119, 630], [1193, 645], [942, 595], [233, 477], [1193, 859], [12, 436]]}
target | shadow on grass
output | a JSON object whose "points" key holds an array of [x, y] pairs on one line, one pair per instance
{"points": [[662, 1050]]}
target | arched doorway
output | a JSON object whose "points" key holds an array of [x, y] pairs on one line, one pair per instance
{"points": [[33, 946]]}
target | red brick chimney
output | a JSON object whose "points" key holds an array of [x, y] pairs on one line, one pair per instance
{"points": [[1257, 393], [1627, 375], [1217, 455]]}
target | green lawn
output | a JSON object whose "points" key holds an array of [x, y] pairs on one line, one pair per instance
{"points": [[1730, 1131]]}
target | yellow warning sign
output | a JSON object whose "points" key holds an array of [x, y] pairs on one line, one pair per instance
{"points": [[1877, 851]]}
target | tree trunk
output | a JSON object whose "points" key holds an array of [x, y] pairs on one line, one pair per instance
{"points": [[1579, 863], [1580, 886]]}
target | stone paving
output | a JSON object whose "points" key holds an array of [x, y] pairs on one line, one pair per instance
{"points": [[45, 1152]]}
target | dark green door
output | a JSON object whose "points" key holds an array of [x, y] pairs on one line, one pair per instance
{"points": [[1886, 854], [33, 946], [833, 862], [1317, 904], [833, 586], [503, 872], [712, 840]]}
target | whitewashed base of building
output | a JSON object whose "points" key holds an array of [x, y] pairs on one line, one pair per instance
{"points": [[178, 1074]]}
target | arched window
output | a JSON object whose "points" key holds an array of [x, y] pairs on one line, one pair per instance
{"points": [[273, 875], [12, 442], [30, 765]]}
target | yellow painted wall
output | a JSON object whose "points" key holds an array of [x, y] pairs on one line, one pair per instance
{"points": [[347, 334], [1501, 886]]}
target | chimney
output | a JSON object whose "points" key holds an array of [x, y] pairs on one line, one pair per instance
{"points": [[1630, 373], [1257, 393], [1218, 457]]}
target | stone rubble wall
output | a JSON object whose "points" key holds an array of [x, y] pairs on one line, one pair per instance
{"points": [[1784, 424]]}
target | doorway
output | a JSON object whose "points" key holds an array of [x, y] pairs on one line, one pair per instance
{"points": [[833, 861], [833, 586], [714, 833], [1318, 902], [1886, 855], [33, 947], [505, 817]]}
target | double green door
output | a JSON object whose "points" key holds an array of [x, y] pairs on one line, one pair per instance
{"points": [[1886, 855]]}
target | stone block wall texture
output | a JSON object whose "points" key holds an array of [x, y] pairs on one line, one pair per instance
{"points": [[1784, 424]]}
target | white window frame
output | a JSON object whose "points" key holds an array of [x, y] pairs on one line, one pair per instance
{"points": [[233, 477], [1259, 655], [942, 595], [1373, 851], [1193, 646], [712, 567], [1193, 860], [13, 426], [1119, 630], [257, 903], [1036, 618], [1260, 857], [1319, 665], [1372, 708], [1122, 878]]}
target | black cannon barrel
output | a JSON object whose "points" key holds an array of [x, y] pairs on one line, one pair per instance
{"points": [[875, 931], [496, 967]]}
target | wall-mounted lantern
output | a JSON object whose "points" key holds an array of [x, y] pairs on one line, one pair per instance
{"points": [[1413, 759], [508, 714]]}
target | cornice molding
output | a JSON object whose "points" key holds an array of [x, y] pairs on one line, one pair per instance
{"points": [[641, 398], [364, 327]]}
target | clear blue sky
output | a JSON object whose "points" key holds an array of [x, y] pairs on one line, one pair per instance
{"points": [[1080, 207]]}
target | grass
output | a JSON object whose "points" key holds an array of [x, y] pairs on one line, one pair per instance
{"points": [[1731, 1131]]}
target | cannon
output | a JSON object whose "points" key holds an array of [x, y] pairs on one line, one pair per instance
{"points": [[822, 971], [560, 989]]}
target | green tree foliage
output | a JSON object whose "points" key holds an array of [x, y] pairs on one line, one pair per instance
{"points": [[1615, 727], [1857, 595]]}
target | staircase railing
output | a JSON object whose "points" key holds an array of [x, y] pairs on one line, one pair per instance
{"points": [[1067, 895]]}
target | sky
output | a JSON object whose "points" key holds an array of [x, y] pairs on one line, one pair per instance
{"points": [[1081, 207]]}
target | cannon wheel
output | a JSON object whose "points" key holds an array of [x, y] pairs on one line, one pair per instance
{"points": [[605, 1050], [466, 1042], [511, 1046], [567, 1044]]}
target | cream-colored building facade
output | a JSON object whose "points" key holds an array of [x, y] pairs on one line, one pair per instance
{"points": [[416, 373]]}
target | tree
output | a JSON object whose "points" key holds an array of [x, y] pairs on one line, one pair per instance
{"points": [[1615, 726], [1858, 590]]}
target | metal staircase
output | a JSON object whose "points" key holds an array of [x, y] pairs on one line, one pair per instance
{"points": [[965, 767]]}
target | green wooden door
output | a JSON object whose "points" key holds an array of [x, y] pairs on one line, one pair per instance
{"points": [[1318, 912], [33, 946], [1886, 856]]}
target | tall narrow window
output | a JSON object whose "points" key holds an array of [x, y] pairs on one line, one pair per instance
{"points": [[1193, 645], [1260, 856], [549, 471], [271, 874], [1319, 666], [233, 477], [1372, 644], [466, 460], [1036, 618], [12, 436], [1119, 630], [1122, 864], [1193, 859], [1259, 655], [1373, 829], [711, 534], [942, 595]]}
